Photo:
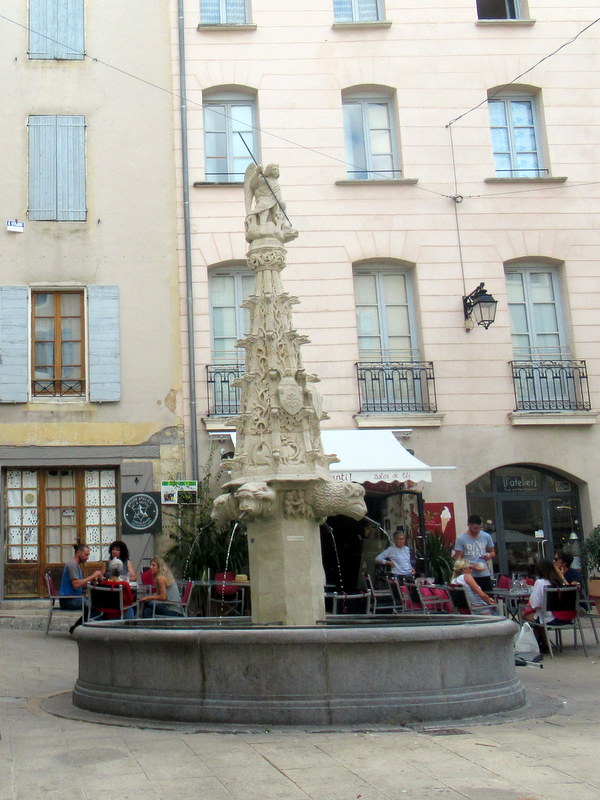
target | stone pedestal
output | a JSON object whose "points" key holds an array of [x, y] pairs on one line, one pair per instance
{"points": [[287, 571]]}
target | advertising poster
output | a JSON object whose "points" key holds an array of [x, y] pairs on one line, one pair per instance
{"points": [[174, 492], [440, 517]]}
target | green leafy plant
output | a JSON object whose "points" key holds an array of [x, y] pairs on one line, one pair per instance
{"points": [[438, 556], [591, 552], [198, 544]]}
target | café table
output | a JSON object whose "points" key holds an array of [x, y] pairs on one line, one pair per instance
{"points": [[212, 593], [512, 598]]}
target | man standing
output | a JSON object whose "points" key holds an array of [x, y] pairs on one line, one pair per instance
{"points": [[477, 547], [73, 583], [398, 558]]}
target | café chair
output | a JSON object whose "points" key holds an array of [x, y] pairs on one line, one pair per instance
{"points": [[106, 602], [53, 598], [182, 605], [227, 597], [434, 598], [459, 599], [563, 601], [381, 600], [355, 603]]}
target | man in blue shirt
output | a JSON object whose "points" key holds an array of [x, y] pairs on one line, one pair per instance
{"points": [[477, 547], [73, 583], [397, 556]]}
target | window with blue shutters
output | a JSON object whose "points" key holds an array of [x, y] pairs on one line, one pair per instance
{"points": [[57, 362], [57, 168], [223, 12], [56, 29]]}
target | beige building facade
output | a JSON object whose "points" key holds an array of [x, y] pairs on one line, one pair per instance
{"points": [[424, 148], [90, 376]]}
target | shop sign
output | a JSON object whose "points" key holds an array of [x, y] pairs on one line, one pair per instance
{"points": [[518, 483]]}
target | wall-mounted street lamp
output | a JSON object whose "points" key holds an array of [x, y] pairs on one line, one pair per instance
{"points": [[479, 308]]}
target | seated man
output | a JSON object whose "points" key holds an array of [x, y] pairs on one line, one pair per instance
{"points": [[563, 561], [73, 583]]}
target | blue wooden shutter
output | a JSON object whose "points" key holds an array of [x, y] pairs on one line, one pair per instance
{"points": [[14, 344], [56, 29], [70, 168], [104, 350], [42, 167]]}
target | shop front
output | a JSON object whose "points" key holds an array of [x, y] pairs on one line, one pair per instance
{"points": [[392, 479], [530, 511]]}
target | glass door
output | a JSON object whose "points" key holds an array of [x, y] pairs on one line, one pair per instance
{"points": [[520, 519]]}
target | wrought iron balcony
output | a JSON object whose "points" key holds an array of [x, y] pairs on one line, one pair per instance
{"points": [[59, 387], [396, 387], [557, 385], [224, 399]]}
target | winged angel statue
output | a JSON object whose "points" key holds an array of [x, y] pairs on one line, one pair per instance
{"points": [[265, 209]]}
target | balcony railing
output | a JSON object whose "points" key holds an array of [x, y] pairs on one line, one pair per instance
{"points": [[224, 399], [559, 385], [396, 387], [60, 387]]}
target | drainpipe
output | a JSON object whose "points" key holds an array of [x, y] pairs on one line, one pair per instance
{"points": [[188, 246]]}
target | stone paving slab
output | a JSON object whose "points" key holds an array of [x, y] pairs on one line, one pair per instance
{"points": [[548, 752]]}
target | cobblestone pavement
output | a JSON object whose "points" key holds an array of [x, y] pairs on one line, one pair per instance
{"points": [[548, 751]]}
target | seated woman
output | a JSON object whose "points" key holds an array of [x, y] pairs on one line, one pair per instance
{"points": [[115, 568], [481, 602], [157, 604], [548, 575], [120, 550]]}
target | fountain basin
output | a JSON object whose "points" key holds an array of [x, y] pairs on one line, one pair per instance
{"points": [[412, 669]]}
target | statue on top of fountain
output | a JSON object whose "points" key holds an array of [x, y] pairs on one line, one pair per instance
{"points": [[266, 219]]}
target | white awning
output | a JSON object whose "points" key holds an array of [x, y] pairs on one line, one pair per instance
{"points": [[372, 455]]}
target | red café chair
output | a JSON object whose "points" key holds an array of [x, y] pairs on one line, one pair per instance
{"points": [[503, 582], [226, 599]]}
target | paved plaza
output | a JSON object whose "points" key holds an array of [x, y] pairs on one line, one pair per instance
{"points": [[548, 751]]}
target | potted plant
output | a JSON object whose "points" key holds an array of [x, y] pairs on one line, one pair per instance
{"points": [[591, 560], [438, 556]]}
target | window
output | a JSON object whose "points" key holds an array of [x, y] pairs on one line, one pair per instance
{"points": [[384, 315], [223, 12], [229, 137], [58, 367], [57, 168], [60, 363], [228, 288], [56, 29], [515, 137], [357, 10], [500, 9], [369, 136], [545, 378], [535, 314]]}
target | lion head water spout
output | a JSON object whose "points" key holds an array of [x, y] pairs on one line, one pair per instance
{"points": [[280, 474]]}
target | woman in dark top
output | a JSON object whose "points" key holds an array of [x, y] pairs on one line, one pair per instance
{"points": [[119, 550]]}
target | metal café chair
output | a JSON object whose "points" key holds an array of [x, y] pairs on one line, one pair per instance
{"points": [[106, 602], [563, 601], [381, 599], [53, 598]]}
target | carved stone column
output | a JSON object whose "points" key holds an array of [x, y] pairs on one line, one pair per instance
{"points": [[280, 480]]}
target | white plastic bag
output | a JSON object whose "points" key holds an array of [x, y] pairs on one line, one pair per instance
{"points": [[525, 641]]}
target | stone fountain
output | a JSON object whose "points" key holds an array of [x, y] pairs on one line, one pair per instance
{"points": [[291, 666]]}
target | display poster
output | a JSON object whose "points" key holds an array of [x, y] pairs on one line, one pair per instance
{"points": [[439, 517], [174, 492]]}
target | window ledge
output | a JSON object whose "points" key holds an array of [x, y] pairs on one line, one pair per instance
{"points": [[553, 417], [246, 26], [546, 179], [379, 182], [213, 184], [374, 24], [425, 420], [519, 23], [45, 403], [216, 424]]}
